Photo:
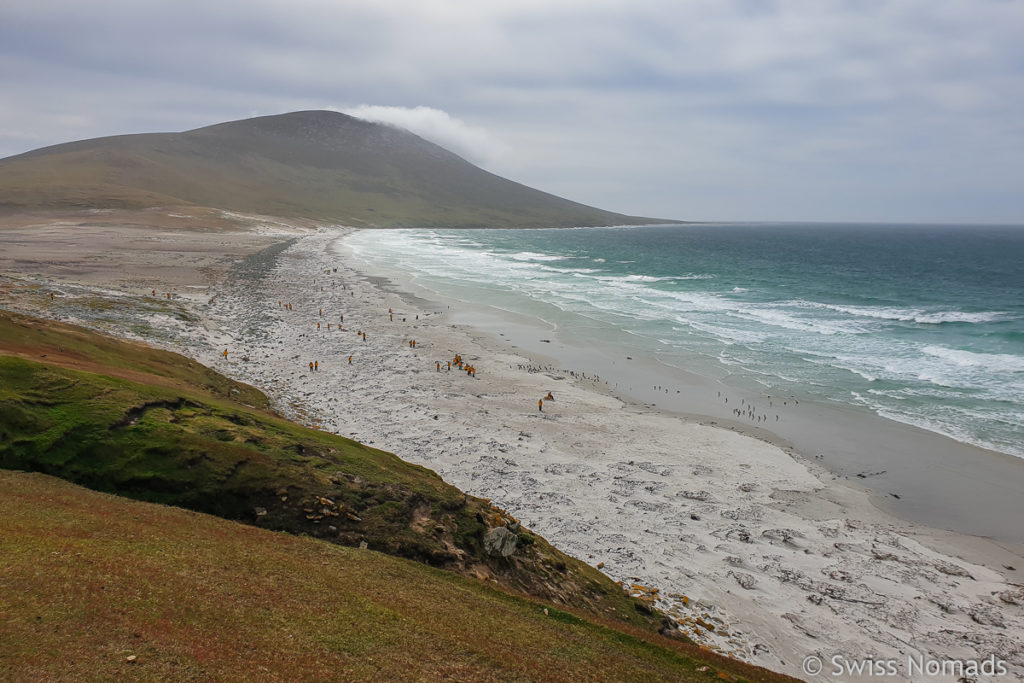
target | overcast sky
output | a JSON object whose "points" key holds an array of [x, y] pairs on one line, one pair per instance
{"points": [[902, 110]]}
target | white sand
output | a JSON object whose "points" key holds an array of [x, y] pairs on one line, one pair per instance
{"points": [[782, 560]]}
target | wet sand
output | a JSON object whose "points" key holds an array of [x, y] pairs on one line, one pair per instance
{"points": [[914, 473]]}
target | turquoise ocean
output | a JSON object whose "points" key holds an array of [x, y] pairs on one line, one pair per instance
{"points": [[923, 324]]}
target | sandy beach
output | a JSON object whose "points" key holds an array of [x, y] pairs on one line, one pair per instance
{"points": [[756, 550]]}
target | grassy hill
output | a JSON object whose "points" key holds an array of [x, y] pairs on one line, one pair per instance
{"points": [[124, 418], [96, 587], [314, 164], [88, 580]]}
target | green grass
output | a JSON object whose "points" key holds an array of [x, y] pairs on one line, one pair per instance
{"points": [[88, 580], [78, 347]]}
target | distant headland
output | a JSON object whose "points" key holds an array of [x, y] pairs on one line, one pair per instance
{"points": [[319, 165]]}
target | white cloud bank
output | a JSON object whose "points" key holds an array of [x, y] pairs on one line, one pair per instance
{"points": [[473, 143]]}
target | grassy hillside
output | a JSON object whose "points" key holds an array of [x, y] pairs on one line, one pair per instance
{"points": [[120, 417], [96, 587], [318, 164]]}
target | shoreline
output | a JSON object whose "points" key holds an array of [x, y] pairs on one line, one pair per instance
{"points": [[823, 498], [757, 553], [880, 454]]}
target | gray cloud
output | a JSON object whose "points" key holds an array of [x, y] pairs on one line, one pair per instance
{"points": [[708, 109]]}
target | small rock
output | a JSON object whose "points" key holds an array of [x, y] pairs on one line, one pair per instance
{"points": [[745, 581], [952, 569], [840, 575], [705, 625], [500, 541], [130, 659], [1012, 597], [362, 545], [644, 607], [739, 533], [988, 616], [786, 536]]}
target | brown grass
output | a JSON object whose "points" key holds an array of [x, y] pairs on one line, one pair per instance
{"points": [[317, 164]]}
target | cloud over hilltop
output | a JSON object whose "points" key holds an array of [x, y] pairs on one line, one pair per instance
{"points": [[471, 142], [789, 109]]}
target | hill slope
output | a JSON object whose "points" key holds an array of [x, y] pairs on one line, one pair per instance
{"points": [[95, 587], [128, 419], [313, 164], [87, 579]]}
